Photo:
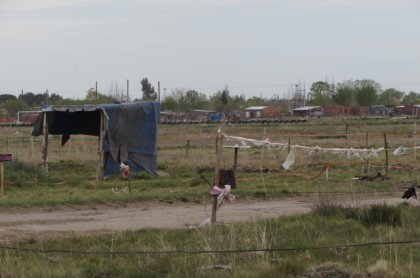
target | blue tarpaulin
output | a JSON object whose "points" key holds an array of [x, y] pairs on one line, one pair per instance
{"points": [[130, 131]]}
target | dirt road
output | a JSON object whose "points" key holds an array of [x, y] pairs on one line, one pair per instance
{"points": [[25, 223]]}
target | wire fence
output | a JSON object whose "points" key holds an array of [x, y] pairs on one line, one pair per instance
{"points": [[186, 251]]}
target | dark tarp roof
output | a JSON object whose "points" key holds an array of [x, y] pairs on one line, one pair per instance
{"points": [[130, 131]]}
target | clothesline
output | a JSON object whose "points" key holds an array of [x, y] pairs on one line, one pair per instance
{"points": [[365, 153]]}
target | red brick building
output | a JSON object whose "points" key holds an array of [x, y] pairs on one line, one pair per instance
{"points": [[254, 112], [341, 110]]}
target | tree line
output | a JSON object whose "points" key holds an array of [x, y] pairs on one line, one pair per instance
{"points": [[350, 92]]}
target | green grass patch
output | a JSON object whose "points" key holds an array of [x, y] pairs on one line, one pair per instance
{"points": [[323, 228]]}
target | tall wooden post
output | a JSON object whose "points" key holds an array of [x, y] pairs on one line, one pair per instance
{"points": [[219, 144], [235, 159], [367, 166], [1, 178], [187, 150], [415, 142], [386, 153], [45, 143], [100, 162]]}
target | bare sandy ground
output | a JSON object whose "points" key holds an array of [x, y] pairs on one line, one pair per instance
{"points": [[41, 223]]}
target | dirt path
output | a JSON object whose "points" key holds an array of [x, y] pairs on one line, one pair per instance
{"points": [[55, 223]]}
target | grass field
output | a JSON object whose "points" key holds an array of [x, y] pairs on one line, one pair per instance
{"points": [[71, 180], [317, 244]]}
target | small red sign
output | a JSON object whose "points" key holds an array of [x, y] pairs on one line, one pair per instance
{"points": [[6, 157]]}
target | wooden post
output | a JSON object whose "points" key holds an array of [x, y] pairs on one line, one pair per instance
{"points": [[45, 143], [2, 178], [100, 162], [187, 151], [288, 147], [235, 159], [219, 144], [367, 166], [347, 128], [386, 153], [32, 147], [415, 143]]}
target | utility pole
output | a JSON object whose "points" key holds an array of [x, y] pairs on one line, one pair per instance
{"points": [[96, 90], [159, 91], [128, 88]]}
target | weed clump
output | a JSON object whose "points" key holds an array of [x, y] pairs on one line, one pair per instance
{"points": [[382, 214], [22, 173]]}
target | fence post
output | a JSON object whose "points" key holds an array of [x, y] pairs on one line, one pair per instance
{"points": [[187, 151], [386, 153], [415, 142]]}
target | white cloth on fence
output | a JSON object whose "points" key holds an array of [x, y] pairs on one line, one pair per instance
{"points": [[399, 151], [290, 159]]}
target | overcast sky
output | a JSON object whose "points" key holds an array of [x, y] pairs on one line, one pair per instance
{"points": [[256, 47]]}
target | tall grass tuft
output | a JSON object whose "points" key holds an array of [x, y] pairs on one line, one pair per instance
{"points": [[382, 214], [21, 173]]}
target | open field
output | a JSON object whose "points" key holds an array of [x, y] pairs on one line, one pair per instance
{"points": [[40, 211]]}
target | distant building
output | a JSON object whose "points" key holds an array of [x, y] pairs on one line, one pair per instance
{"points": [[308, 111], [255, 112], [409, 110], [382, 110], [202, 115], [345, 111]]}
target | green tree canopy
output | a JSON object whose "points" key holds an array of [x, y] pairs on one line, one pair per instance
{"points": [[12, 106], [5, 97], [357, 92], [94, 97], [321, 93], [256, 101], [390, 96], [148, 90], [411, 98]]}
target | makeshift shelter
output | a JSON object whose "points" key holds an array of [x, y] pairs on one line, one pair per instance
{"points": [[127, 132]]}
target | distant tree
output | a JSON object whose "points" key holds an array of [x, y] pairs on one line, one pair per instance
{"points": [[169, 103], [32, 99], [55, 98], [321, 93], [411, 98], [193, 100], [238, 102], [357, 92], [94, 97], [345, 95], [256, 101], [390, 96], [117, 93], [11, 107], [222, 101], [367, 92], [5, 97], [148, 90]]}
